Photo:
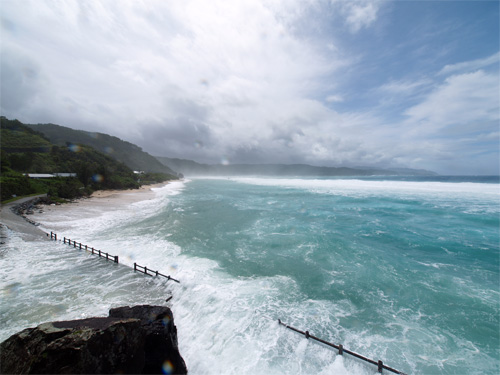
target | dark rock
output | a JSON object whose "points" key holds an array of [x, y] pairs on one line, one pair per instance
{"points": [[132, 340], [161, 348]]}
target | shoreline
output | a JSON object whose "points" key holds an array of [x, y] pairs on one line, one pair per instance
{"points": [[17, 223], [108, 193], [30, 232]]}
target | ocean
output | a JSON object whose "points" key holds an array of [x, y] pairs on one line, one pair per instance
{"points": [[405, 270]]}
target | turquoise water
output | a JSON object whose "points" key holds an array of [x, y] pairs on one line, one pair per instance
{"points": [[403, 270]]}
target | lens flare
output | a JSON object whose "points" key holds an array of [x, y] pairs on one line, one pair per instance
{"points": [[11, 290], [97, 178], [165, 321], [74, 148], [168, 367]]}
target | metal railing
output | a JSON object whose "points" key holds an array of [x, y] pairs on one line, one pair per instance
{"points": [[79, 245], [380, 365], [146, 271]]}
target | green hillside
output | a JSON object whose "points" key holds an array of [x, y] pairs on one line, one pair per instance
{"points": [[16, 137], [129, 154], [24, 150]]}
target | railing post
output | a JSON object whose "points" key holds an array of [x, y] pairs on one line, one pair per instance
{"points": [[100, 253], [116, 258], [380, 366], [307, 334], [86, 248], [64, 240], [135, 266], [80, 245], [55, 237], [341, 349], [146, 270], [92, 251], [74, 244]]}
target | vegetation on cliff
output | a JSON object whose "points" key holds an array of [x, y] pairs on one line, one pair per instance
{"points": [[26, 151], [129, 154]]}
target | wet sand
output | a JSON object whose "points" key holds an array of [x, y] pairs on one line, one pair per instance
{"points": [[103, 198]]}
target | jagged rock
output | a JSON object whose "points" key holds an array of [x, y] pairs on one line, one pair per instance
{"points": [[161, 337], [132, 340]]}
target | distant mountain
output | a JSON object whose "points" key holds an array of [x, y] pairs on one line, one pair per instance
{"points": [[184, 166], [414, 172], [192, 168], [403, 171], [127, 153]]}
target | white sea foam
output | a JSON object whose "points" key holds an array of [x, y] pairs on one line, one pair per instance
{"points": [[467, 197], [370, 187], [223, 322], [226, 324]]}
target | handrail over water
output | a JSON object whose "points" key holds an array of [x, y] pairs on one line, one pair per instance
{"points": [[155, 273], [53, 236], [380, 365], [81, 246]]}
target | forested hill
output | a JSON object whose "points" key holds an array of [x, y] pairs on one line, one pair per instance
{"points": [[26, 151], [127, 153]]}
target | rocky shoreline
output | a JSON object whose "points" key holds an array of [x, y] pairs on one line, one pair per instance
{"points": [[131, 340]]}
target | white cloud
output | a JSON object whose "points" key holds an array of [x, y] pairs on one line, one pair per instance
{"points": [[461, 99], [468, 66], [247, 80], [334, 99], [138, 62], [360, 14], [404, 87]]}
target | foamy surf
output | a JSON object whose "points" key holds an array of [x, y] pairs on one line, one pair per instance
{"points": [[373, 274]]}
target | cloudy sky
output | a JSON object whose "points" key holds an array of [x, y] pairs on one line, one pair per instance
{"points": [[324, 82]]}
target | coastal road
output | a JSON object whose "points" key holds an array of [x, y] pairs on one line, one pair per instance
{"points": [[18, 224]]}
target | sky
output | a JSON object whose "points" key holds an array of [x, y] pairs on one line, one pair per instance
{"points": [[323, 82]]}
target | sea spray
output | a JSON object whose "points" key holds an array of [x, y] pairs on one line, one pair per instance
{"points": [[402, 271]]}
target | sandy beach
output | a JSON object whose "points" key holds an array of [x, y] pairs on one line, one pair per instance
{"points": [[132, 192], [30, 232]]}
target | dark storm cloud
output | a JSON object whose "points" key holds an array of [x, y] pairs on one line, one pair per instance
{"points": [[181, 137], [21, 81], [327, 83]]}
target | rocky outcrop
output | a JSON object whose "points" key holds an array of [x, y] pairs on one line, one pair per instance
{"points": [[131, 340]]}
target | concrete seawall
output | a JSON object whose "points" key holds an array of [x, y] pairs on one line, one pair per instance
{"points": [[16, 223]]}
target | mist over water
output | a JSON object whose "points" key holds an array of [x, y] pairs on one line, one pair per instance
{"points": [[403, 271]]}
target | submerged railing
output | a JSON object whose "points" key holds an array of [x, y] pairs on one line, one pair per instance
{"points": [[145, 270], [114, 258], [91, 250], [380, 365]]}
